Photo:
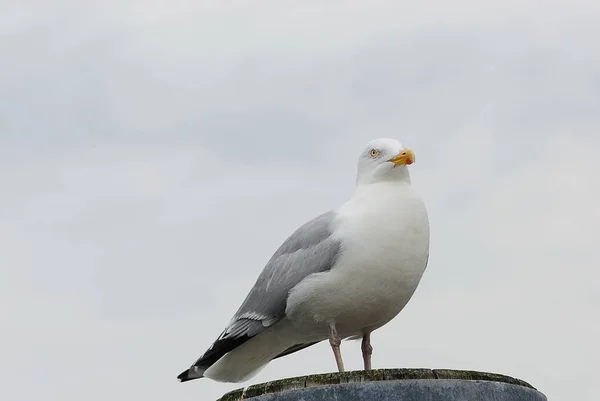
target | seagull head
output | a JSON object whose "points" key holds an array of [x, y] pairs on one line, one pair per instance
{"points": [[384, 159]]}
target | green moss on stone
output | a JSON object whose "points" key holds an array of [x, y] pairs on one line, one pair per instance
{"points": [[407, 374], [474, 375], [255, 390], [358, 376], [292, 383]]}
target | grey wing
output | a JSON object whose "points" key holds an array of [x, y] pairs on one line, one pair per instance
{"points": [[310, 249]]}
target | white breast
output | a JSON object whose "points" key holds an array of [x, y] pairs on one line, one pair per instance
{"points": [[384, 230]]}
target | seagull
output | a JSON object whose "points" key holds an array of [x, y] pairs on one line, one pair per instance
{"points": [[340, 276]]}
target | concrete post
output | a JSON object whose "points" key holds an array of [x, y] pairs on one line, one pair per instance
{"points": [[392, 385]]}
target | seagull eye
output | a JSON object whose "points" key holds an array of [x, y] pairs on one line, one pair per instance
{"points": [[374, 153]]}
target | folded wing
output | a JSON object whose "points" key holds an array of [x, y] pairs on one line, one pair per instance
{"points": [[310, 249]]}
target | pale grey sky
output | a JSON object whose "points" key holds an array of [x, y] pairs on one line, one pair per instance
{"points": [[154, 154]]}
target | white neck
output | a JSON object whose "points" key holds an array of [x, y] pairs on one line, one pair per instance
{"points": [[398, 174]]}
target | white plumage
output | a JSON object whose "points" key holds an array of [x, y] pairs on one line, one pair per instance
{"points": [[341, 275]]}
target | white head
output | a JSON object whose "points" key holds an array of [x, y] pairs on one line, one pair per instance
{"points": [[384, 159]]}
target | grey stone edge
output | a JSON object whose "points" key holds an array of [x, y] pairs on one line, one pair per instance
{"points": [[360, 376]]}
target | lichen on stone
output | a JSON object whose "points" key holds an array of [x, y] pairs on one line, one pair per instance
{"points": [[359, 376]]}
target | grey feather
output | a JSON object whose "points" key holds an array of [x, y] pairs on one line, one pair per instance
{"points": [[310, 249]]}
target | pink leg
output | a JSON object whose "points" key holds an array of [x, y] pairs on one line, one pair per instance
{"points": [[367, 350], [335, 341]]}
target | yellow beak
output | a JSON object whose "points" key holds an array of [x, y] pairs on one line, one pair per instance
{"points": [[405, 157]]}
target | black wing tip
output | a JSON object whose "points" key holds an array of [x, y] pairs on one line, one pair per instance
{"points": [[185, 376], [216, 351]]}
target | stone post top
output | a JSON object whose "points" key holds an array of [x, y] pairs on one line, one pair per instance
{"points": [[361, 376]]}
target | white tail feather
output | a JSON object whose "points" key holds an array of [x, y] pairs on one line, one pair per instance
{"points": [[247, 360]]}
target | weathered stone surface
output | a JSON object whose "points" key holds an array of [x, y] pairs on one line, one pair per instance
{"points": [[473, 375], [392, 385]]}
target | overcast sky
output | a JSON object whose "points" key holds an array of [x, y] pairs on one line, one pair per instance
{"points": [[154, 154]]}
